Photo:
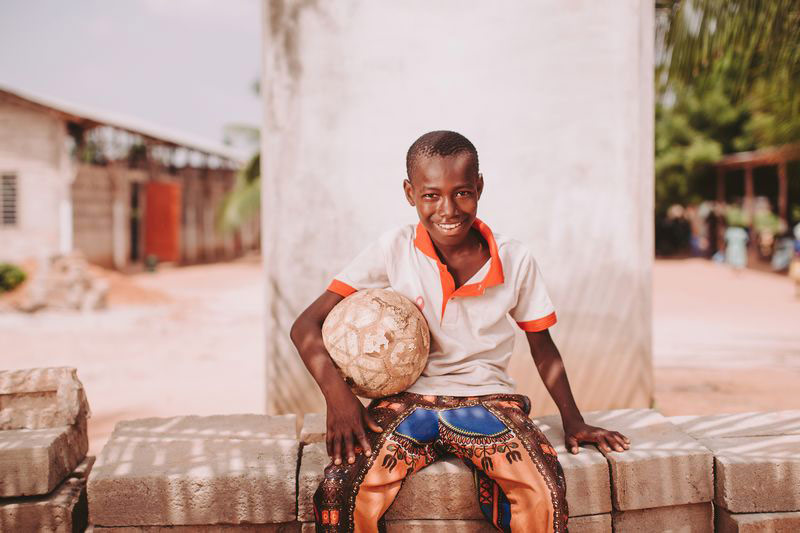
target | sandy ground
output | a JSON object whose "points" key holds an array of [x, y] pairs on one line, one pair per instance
{"points": [[724, 341], [179, 341], [188, 341]]}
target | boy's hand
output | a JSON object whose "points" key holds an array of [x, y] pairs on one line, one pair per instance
{"points": [[347, 419], [577, 432]]}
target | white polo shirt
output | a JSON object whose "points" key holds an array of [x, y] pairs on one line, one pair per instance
{"points": [[472, 337]]}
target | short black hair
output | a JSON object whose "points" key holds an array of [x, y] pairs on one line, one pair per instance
{"points": [[442, 143]]}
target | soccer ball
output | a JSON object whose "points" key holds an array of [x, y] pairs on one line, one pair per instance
{"points": [[378, 340]]}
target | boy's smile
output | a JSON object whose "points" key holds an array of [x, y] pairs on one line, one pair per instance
{"points": [[445, 190]]}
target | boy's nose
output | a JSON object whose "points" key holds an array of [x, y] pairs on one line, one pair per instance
{"points": [[448, 207]]}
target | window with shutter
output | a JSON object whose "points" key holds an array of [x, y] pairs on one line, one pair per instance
{"points": [[8, 200]]}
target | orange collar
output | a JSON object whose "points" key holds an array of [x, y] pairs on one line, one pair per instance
{"points": [[494, 277]]}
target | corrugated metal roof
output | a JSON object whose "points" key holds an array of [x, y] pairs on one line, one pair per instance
{"points": [[84, 113]]}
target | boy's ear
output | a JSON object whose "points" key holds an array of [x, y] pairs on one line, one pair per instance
{"points": [[479, 185], [408, 188]]}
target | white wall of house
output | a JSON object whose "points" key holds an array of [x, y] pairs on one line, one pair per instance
{"points": [[558, 98], [33, 148]]}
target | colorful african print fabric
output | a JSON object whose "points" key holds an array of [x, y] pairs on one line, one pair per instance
{"points": [[519, 481]]}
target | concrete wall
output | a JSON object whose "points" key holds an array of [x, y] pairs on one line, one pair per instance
{"points": [[557, 97], [93, 196], [32, 147], [102, 212]]}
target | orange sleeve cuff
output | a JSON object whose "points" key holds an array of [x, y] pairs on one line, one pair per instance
{"points": [[540, 324], [342, 289]]}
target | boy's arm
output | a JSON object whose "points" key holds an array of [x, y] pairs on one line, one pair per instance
{"points": [[347, 417], [551, 368]]}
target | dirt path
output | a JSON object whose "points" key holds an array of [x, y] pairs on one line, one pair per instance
{"points": [[197, 351], [724, 341], [188, 341]]}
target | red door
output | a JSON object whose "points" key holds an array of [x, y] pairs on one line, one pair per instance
{"points": [[162, 220]]}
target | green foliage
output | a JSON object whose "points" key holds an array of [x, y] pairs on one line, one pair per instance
{"points": [[244, 200], [11, 276], [691, 134], [735, 216], [755, 40], [728, 81]]}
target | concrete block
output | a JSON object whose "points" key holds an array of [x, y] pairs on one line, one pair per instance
{"points": [[35, 461], [436, 526], [757, 474], [241, 426], [289, 527], [84, 468], [313, 428], [663, 467], [726, 522], [41, 398], [428, 526], [581, 524], [62, 511], [587, 475], [756, 424], [596, 523], [442, 490], [314, 458], [195, 471], [692, 518]]}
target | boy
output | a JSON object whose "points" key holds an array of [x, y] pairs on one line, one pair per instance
{"points": [[466, 281]]}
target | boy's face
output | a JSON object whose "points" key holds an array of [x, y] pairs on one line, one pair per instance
{"points": [[445, 191]]}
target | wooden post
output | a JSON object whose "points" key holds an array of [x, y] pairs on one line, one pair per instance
{"points": [[783, 193], [720, 185]]}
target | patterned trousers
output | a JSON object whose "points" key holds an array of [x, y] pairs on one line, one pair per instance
{"points": [[519, 480]]}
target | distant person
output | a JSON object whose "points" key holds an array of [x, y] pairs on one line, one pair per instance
{"points": [[784, 252], [468, 281], [736, 247], [713, 224], [794, 267]]}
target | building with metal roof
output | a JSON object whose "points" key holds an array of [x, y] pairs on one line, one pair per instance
{"points": [[115, 188]]}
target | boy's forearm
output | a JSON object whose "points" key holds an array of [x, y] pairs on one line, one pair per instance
{"points": [[554, 375], [307, 338]]}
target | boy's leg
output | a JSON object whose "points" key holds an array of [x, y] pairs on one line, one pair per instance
{"points": [[355, 497], [519, 480]]}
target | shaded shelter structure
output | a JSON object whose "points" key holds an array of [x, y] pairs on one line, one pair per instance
{"points": [[748, 161], [115, 188]]}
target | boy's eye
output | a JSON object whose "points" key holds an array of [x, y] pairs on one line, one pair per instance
{"points": [[428, 195], [464, 193]]}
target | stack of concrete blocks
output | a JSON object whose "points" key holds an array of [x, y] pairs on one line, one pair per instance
{"points": [[757, 468], [43, 445], [664, 482], [252, 473], [197, 473], [65, 282]]}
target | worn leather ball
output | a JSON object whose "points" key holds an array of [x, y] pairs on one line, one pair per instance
{"points": [[378, 340]]}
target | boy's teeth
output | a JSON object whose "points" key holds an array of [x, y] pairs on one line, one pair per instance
{"points": [[449, 226]]}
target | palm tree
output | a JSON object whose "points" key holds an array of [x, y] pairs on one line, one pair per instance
{"points": [[244, 200], [753, 44]]}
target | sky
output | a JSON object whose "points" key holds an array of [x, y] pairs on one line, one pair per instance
{"points": [[184, 64]]}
